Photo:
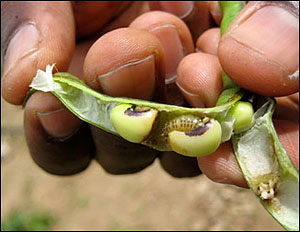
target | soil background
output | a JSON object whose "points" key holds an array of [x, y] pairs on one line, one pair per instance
{"points": [[95, 200]]}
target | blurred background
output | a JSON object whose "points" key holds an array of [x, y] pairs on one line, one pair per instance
{"points": [[32, 199]]}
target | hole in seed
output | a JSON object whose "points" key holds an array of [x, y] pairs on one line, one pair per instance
{"points": [[136, 111], [199, 130]]}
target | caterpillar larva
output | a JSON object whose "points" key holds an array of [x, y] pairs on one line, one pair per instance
{"points": [[184, 123]]}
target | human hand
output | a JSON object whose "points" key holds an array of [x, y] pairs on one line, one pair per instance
{"points": [[53, 135]]}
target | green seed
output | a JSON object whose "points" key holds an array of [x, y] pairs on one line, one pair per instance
{"points": [[242, 114], [199, 142], [131, 123]]}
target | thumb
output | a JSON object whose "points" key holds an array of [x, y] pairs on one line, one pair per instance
{"points": [[32, 36], [260, 49]]}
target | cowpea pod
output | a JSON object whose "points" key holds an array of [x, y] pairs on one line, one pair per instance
{"points": [[149, 123], [196, 132]]}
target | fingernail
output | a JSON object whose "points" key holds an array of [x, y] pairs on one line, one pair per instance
{"points": [[169, 37], [24, 43], [215, 11], [215, 8], [59, 124], [135, 79], [178, 8], [273, 32], [194, 99]]}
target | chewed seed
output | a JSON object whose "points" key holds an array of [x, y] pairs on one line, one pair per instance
{"points": [[137, 110], [199, 130], [133, 124], [266, 190], [205, 120], [200, 141]]}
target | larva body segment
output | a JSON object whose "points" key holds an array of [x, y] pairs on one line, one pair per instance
{"points": [[184, 123]]}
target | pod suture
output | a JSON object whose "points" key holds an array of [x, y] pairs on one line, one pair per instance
{"points": [[196, 132]]}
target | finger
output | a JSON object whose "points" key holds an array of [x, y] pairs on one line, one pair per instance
{"points": [[179, 166], [176, 41], [34, 35], [124, 18], [260, 49], [287, 108], [90, 16], [125, 62], [57, 140], [208, 42], [215, 11], [172, 33], [200, 80], [180, 9], [198, 73], [118, 156], [288, 133], [222, 167], [196, 14]]}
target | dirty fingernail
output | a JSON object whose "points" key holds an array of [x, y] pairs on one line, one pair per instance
{"points": [[178, 8], [170, 39], [24, 43], [60, 124], [273, 32]]}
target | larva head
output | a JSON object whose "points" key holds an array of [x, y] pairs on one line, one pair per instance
{"points": [[131, 123], [199, 142]]}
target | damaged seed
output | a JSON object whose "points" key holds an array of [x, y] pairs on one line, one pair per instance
{"points": [[133, 123], [200, 141], [266, 190]]}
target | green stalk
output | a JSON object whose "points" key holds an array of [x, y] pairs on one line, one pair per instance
{"points": [[230, 10]]}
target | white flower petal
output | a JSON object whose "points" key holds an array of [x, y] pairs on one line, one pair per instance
{"points": [[43, 81]]}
